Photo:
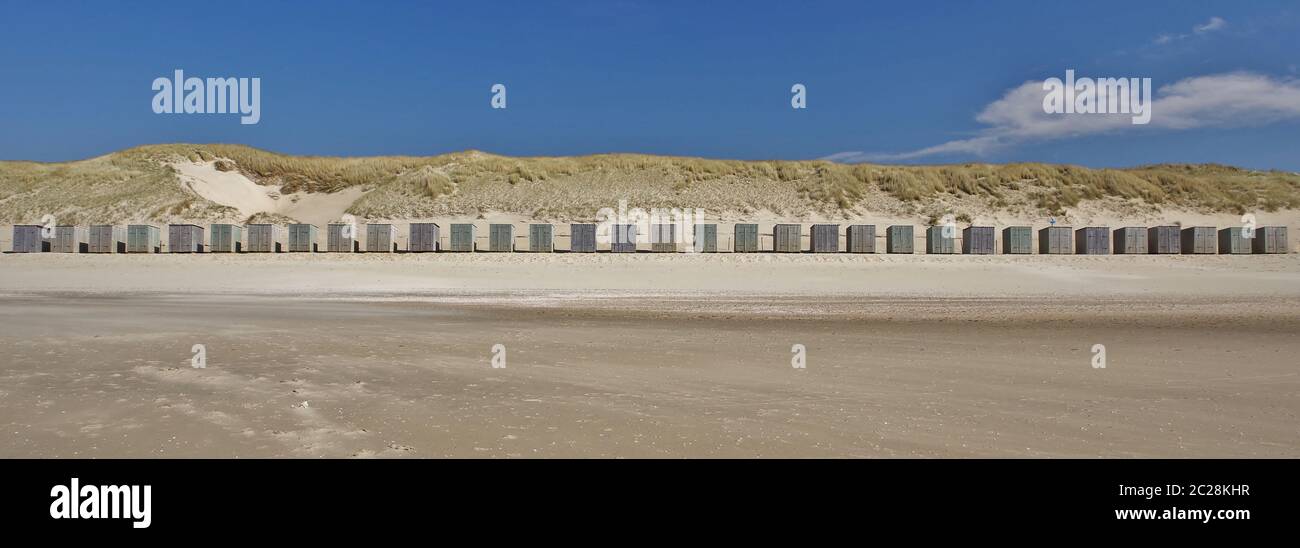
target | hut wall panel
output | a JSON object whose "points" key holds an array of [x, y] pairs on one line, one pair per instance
{"points": [[341, 238], [1199, 240], [462, 238], [1130, 240], [860, 239], [937, 243], [978, 240], [264, 238], [1232, 241], [900, 239], [184, 239], [1092, 240], [622, 239], [501, 238], [423, 237], [1055, 240], [541, 238], [786, 238], [69, 239], [663, 238], [107, 239], [225, 238], [381, 238], [582, 238], [1269, 239], [1162, 240], [1017, 240], [28, 239], [825, 238], [303, 238], [704, 238], [745, 238], [143, 239]]}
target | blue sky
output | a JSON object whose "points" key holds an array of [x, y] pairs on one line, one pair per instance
{"points": [[884, 79]]}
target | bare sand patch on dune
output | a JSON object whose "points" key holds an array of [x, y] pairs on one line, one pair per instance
{"points": [[233, 189]]}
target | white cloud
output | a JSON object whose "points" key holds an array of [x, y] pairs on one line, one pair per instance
{"points": [[1221, 100], [1215, 23]]}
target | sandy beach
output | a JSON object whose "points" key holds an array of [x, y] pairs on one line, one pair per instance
{"points": [[648, 356]]}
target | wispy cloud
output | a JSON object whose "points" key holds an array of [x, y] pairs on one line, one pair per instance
{"points": [[1215, 24], [1221, 100]]}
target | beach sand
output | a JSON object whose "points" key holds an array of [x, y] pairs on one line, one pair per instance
{"points": [[649, 356]]}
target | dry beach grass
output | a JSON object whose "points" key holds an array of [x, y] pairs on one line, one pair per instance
{"points": [[642, 355], [141, 184]]}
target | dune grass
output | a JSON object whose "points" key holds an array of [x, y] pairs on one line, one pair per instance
{"points": [[138, 182]]}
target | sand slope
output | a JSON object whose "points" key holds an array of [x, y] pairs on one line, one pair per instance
{"points": [[233, 189]]}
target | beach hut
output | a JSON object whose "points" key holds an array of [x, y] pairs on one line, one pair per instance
{"points": [[381, 238], [899, 239], [705, 238], [264, 238], [303, 238], [341, 238], [1233, 241], [28, 239], [1199, 240], [1054, 240], [978, 240], [1131, 240], [787, 238], [1163, 240], [582, 238], [1017, 240], [936, 242], [1092, 240], [143, 239], [462, 238], [184, 238], [622, 239], [745, 238], [423, 237], [107, 239], [69, 239], [226, 238], [1269, 239], [501, 238], [663, 238], [825, 238], [541, 238], [860, 239]]}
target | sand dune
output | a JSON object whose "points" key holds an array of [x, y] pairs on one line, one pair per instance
{"points": [[233, 189], [644, 355]]}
